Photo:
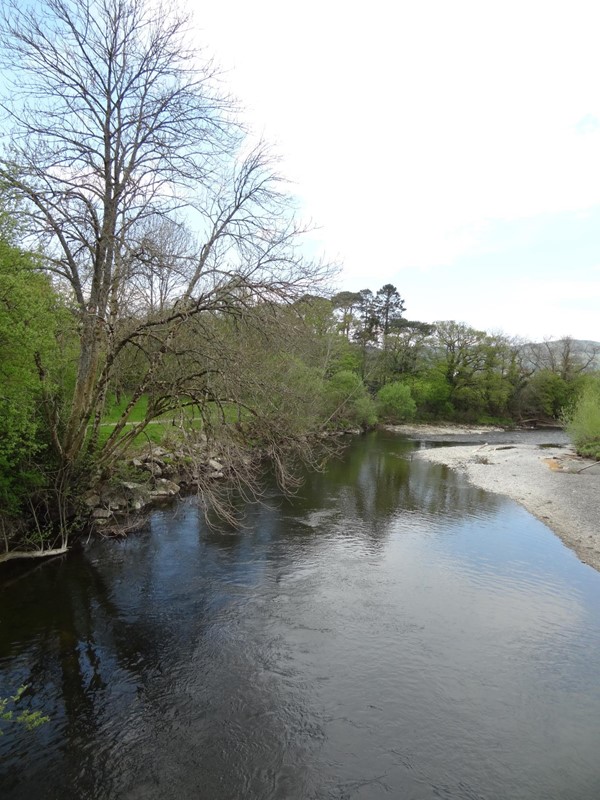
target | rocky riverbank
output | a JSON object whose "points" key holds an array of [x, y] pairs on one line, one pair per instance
{"points": [[549, 480], [155, 476]]}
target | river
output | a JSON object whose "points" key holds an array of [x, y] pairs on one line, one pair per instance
{"points": [[391, 632]]}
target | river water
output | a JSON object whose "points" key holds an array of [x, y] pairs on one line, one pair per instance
{"points": [[392, 632]]}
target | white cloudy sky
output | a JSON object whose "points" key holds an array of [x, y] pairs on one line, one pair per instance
{"points": [[450, 148]]}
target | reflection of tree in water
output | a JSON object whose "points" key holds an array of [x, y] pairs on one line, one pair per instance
{"points": [[81, 652], [154, 645], [378, 479]]}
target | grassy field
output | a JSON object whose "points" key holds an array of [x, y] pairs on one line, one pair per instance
{"points": [[114, 410], [159, 429], [156, 431]]}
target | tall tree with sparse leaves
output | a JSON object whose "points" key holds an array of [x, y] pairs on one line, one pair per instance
{"points": [[116, 140]]}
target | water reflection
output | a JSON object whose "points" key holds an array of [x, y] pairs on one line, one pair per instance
{"points": [[377, 481], [390, 631]]}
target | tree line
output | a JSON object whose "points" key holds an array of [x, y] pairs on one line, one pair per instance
{"points": [[452, 371]]}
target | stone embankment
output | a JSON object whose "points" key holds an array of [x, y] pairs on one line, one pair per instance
{"points": [[154, 477]]}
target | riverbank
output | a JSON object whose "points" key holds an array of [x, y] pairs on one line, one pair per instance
{"points": [[549, 480]]}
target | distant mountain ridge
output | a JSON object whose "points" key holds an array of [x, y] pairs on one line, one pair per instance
{"points": [[565, 356]]}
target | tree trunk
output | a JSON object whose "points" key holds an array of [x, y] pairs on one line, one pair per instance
{"points": [[85, 387]]}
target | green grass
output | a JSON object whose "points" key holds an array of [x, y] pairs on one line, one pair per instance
{"points": [[156, 431], [590, 450], [115, 410], [159, 429]]}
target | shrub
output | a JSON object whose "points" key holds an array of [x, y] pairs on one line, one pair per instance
{"points": [[395, 402], [30, 319], [546, 395], [432, 396], [583, 422], [348, 402]]}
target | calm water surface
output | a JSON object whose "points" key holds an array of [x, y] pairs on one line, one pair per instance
{"points": [[392, 632]]}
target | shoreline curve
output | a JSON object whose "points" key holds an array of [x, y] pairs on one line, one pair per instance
{"points": [[553, 483]]}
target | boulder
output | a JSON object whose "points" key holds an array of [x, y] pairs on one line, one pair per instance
{"points": [[134, 487], [153, 468], [164, 488], [116, 503], [155, 452]]}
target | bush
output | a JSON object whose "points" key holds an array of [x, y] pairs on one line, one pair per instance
{"points": [[432, 396], [395, 402], [546, 395], [348, 402], [583, 422], [30, 316]]}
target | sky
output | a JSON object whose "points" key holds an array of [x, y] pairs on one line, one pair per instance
{"points": [[449, 148]]}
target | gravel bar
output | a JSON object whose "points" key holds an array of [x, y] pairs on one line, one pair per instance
{"points": [[544, 475]]}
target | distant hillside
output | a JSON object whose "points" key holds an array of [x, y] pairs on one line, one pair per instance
{"points": [[565, 356]]}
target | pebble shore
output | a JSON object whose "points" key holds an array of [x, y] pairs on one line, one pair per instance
{"points": [[551, 482]]}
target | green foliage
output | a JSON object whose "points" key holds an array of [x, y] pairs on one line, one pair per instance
{"points": [[346, 304], [497, 392], [317, 315], [504, 422], [29, 316], [478, 367], [406, 351], [389, 307], [29, 719], [347, 401], [547, 394], [590, 450], [583, 422], [294, 394], [349, 358], [432, 397], [395, 403], [468, 400]]}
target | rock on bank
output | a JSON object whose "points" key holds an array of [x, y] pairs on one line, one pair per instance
{"points": [[558, 487]]}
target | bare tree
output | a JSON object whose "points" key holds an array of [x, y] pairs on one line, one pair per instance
{"points": [[117, 142], [157, 265], [565, 357]]}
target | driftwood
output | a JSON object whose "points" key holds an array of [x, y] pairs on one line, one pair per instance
{"points": [[32, 554], [540, 422]]}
